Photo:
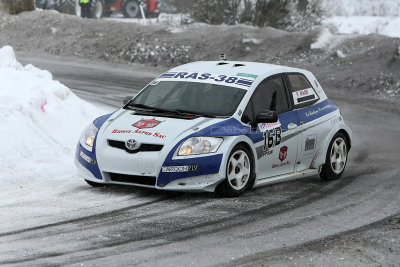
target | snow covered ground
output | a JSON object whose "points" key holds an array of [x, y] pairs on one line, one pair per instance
{"points": [[40, 121], [388, 26]]}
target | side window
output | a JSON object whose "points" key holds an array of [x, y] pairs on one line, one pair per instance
{"points": [[302, 92], [269, 95]]}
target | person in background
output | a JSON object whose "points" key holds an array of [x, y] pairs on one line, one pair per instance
{"points": [[85, 8]]}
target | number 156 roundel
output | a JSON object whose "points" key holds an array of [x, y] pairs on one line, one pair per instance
{"points": [[218, 126]]}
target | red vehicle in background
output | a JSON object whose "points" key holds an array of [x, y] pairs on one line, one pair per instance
{"points": [[129, 8]]}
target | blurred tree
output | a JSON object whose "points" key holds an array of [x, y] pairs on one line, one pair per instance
{"points": [[281, 14], [17, 6], [271, 13], [216, 11], [305, 14], [247, 15]]}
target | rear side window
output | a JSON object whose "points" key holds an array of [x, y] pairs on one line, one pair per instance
{"points": [[302, 92]]}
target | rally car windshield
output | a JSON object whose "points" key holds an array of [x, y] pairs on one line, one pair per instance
{"points": [[190, 97]]}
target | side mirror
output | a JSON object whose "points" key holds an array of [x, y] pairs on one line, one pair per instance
{"points": [[127, 99], [267, 117]]}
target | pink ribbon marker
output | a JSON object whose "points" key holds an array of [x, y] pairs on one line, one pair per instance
{"points": [[42, 107]]}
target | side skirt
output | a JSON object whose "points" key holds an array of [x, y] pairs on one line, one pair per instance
{"points": [[286, 177]]}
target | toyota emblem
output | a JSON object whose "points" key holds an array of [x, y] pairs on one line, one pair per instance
{"points": [[131, 144]]}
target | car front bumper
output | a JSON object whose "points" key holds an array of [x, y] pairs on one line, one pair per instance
{"points": [[190, 174]]}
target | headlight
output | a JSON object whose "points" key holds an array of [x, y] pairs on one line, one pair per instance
{"points": [[199, 145], [89, 135]]}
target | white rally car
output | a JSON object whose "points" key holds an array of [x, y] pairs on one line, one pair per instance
{"points": [[218, 126]]}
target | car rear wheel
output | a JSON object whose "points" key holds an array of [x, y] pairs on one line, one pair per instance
{"points": [[336, 158], [130, 8], [239, 173], [94, 184]]}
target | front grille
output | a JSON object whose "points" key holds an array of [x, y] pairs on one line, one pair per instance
{"points": [[142, 148], [133, 179]]}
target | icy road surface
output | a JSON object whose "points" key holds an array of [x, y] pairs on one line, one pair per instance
{"points": [[66, 222]]}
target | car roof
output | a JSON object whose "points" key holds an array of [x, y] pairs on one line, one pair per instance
{"points": [[235, 67]]}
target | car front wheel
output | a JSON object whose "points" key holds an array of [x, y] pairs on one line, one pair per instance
{"points": [[239, 173], [336, 158]]}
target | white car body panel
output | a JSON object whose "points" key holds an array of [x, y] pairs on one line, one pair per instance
{"points": [[306, 144]]}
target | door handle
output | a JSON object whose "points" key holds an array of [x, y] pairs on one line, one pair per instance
{"points": [[292, 126]]}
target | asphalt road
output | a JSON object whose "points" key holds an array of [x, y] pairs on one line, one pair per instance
{"points": [[156, 228]]}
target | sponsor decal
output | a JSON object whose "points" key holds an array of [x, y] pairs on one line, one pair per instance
{"points": [[116, 131], [247, 75], [315, 111], [283, 153], [280, 164], [310, 144], [304, 95], [146, 124], [268, 126], [87, 158], [267, 153], [156, 134], [137, 131], [229, 80], [188, 168], [336, 120]]}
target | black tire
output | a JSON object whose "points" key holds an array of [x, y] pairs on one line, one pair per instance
{"points": [[334, 170], [227, 187], [94, 184], [67, 6], [97, 9], [130, 8]]}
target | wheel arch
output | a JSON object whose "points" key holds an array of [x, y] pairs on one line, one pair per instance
{"points": [[320, 156], [250, 146], [347, 135]]}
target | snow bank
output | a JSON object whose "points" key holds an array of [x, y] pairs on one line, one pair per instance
{"points": [[40, 122], [365, 25], [328, 41]]}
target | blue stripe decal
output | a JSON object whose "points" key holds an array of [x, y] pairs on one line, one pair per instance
{"points": [[242, 81], [168, 75], [94, 169], [233, 127], [206, 165], [101, 120]]}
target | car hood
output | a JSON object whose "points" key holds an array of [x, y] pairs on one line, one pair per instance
{"points": [[125, 124]]}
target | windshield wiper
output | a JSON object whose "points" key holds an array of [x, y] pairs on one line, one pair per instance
{"points": [[154, 109], [194, 113], [143, 106], [176, 111]]}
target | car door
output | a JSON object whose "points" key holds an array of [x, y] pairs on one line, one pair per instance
{"points": [[303, 97], [277, 151]]}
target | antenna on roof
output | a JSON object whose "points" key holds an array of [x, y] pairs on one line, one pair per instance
{"points": [[222, 57]]}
